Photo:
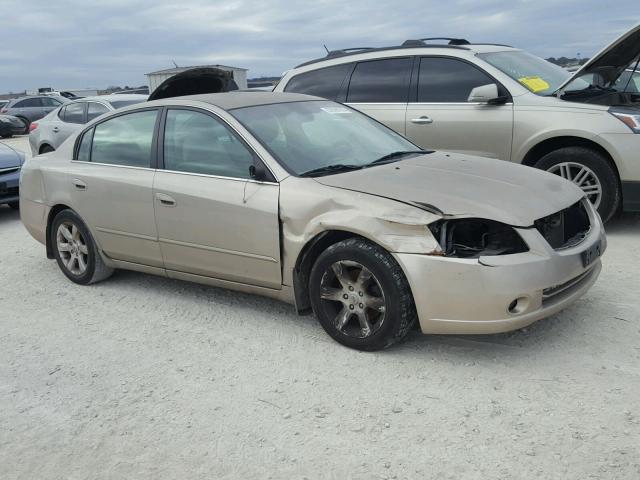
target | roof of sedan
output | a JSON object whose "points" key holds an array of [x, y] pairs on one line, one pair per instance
{"points": [[239, 99]]}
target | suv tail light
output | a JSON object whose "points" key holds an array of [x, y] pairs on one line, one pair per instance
{"points": [[33, 126], [4, 110]]}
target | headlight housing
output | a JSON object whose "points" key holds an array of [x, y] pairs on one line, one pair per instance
{"points": [[476, 237], [630, 117]]}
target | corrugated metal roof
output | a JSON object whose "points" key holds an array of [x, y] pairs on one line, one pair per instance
{"points": [[184, 69]]}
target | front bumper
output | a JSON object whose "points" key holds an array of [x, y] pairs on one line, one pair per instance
{"points": [[9, 187], [476, 296]]}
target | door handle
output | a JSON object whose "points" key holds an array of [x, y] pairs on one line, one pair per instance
{"points": [[55, 129], [79, 184], [165, 200], [423, 120]]}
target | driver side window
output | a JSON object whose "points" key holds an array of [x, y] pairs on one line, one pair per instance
{"points": [[195, 142]]}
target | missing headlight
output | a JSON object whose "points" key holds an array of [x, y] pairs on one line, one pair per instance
{"points": [[475, 237]]}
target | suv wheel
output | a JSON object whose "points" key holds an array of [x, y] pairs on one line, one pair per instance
{"points": [[589, 170], [76, 251], [360, 295]]}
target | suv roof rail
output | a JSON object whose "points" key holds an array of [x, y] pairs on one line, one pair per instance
{"points": [[344, 51], [420, 42]]}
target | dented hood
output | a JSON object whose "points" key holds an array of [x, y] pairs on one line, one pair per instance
{"points": [[463, 185], [612, 60]]}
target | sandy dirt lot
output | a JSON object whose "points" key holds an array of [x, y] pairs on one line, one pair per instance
{"points": [[142, 377]]}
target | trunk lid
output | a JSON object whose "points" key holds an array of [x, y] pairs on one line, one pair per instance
{"points": [[195, 81]]}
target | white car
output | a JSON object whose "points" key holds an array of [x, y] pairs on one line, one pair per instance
{"points": [[48, 133]]}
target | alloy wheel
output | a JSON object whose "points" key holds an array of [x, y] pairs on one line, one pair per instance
{"points": [[72, 248], [354, 297], [583, 177]]}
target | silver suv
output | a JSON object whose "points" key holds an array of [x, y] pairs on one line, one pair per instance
{"points": [[501, 102]]}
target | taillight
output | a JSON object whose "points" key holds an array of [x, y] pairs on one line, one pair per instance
{"points": [[4, 110], [33, 126]]}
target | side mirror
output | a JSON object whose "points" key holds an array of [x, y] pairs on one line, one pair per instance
{"points": [[258, 173], [486, 94]]}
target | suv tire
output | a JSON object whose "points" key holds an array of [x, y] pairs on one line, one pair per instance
{"points": [[592, 164]]}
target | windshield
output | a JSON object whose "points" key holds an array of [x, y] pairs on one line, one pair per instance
{"points": [[305, 136], [538, 75]]}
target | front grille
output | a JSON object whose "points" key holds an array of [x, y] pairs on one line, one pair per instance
{"points": [[565, 228]]}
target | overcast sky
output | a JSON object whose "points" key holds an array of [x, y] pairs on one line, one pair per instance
{"points": [[77, 44]]}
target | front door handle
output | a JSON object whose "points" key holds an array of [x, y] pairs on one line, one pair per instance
{"points": [[79, 184], [55, 129], [423, 120], [165, 200]]}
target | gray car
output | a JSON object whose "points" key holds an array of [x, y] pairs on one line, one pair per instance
{"points": [[30, 109], [10, 164], [48, 134]]}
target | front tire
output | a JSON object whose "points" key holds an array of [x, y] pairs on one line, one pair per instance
{"points": [[76, 251], [591, 171], [360, 295]]}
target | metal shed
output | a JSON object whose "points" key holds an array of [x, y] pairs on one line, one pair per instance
{"points": [[156, 78]]}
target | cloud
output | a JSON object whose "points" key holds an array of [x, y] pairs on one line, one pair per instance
{"points": [[86, 44]]}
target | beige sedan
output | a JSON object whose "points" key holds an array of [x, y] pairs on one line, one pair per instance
{"points": [[311, 202]]}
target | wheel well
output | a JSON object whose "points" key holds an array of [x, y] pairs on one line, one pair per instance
{"points": [[52, 214], [551, 144], [307, 257], [42, 147]]}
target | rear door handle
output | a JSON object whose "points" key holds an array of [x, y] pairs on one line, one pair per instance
{"points": [[165, 200], [79, 184], [423, 120]]}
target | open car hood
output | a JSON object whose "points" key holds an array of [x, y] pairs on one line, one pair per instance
{"points": [[461, 185], [195, 81], [611, 61]]}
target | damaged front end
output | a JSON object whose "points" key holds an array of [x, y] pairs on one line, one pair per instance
{"points": [[476, 237]]}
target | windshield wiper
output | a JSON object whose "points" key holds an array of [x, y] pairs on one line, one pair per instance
{"points": [[395, 156], [328, 169]]}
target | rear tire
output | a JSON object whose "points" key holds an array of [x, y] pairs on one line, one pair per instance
{"points": [[360, 295], [46, 149], [581, 161], [76, 251], [14, 205]]}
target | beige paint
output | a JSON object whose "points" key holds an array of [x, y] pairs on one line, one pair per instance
{"points": [[247, 235]]}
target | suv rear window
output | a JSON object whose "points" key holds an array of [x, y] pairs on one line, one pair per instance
{"points": [[325, 82], [448, 80], [380, 81]]}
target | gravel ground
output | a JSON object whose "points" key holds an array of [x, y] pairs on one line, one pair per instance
{"points": [[143, 377]]}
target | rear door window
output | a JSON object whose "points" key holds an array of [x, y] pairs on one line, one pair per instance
{"points": [[94, 110], [28, 103], [73, 113], [125, 140], [447, 80], [324, 82], [50, 102], [380, 81]]}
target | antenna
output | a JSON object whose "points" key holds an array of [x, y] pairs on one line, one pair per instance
{"points": [[174, 62], [325, 47]]}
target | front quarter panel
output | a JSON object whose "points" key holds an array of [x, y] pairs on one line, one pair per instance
{"points": [[308, 208]]}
